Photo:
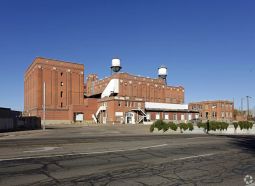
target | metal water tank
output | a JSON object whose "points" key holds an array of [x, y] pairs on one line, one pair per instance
{"points": [[116, 66]]}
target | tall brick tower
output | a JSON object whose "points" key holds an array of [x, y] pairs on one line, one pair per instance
{"points": [[64, 88]]}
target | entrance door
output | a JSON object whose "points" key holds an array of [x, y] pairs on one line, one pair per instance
{"points": [[129, 118]]}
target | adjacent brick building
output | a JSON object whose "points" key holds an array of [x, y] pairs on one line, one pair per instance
{"points": [[134, 99], [219, 110]]}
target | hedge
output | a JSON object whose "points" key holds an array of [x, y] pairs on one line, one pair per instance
{"points": [[162, 125], [245, 125]]}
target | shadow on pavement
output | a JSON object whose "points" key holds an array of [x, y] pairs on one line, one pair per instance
{"points": [[245, 143]]}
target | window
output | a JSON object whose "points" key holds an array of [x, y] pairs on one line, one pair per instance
{"points": [[61, 94], [182, 117], [148, 116], [61, 104], [166, 116], [61, 73], [214, 114], [61, 84], [157, 116], [207, 115], [175, 117], [126, 104], [190, 117], [139, 105], [222, 114], [119, 104]]}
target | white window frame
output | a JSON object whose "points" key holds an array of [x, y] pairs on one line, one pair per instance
{"points": [[157, 115]]}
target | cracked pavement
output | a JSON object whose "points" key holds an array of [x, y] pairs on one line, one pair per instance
{"points": [[72, 158]]}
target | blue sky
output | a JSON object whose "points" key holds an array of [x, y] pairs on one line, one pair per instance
{"points": [[208, 46]]}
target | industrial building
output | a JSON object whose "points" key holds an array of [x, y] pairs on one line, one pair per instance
{"points": [[55, 91], [219, 110]]}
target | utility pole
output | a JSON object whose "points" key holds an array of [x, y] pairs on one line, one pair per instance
{"points": [[248, 107], [242, 104], [44, 100]]}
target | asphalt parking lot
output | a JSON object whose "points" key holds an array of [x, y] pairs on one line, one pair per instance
{"points": [[123, 155]]}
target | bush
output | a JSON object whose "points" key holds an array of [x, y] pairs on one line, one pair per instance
{"points": [[235, 125], [190, 126], [152, 127], [224, 126], [201, 125], [251, 125], [172, 126], [165, 127], [183, 126], [214, 125], [159, 124], [245, 125]]}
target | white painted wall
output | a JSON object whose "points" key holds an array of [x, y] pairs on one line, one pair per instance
{"points": [[166, 106], [112, 87]]}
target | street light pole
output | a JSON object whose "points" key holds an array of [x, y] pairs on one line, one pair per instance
{"points": [[242, 104], [248, 107], [44, 100]]}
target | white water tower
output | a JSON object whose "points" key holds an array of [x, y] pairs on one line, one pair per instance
{"points": [[162, 73], [116, 67]]}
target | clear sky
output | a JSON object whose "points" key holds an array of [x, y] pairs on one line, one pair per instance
{"points": [[207, 45]]}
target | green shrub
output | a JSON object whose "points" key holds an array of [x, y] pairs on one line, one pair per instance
{"points": [[152, 127], [241, 125], [165, 127], [190, 126], [201, 125], [235, 125], [161, 125], [183, 126], [172, 126], [245, 125], [224, 126], [215, 125], [251, 125]]}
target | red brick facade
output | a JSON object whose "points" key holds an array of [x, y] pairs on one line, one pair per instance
{"points": [[64, 89], [215, 110], [144, 88]]}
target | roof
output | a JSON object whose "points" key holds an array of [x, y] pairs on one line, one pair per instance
{"points": [[50, 59], [212, 101], [165, 106]]}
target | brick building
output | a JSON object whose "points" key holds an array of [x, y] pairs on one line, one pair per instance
{"points": [[64, 87], [126, 98], [120, 98], [218, 110]]}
